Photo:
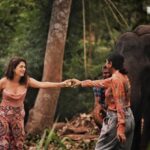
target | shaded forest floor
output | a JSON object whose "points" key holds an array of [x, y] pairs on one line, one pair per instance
{"points": [[80, 133]]}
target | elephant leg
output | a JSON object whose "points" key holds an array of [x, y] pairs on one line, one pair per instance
{"points": [[137, 131], [145, 134]]}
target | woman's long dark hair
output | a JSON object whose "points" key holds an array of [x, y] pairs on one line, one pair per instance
{"points": [[10, 70], [117, 62]]}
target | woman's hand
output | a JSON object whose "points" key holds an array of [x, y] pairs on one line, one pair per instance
{"points": [[75, 82], [67, 83], [71, 83]]}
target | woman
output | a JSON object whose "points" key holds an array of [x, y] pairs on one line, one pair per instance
{"points": [[14, 87], [118, 126]]}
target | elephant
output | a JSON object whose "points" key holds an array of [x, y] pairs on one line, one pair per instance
{"points": [[135, 47]]}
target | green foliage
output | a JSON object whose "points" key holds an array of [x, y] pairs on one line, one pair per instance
{"points": [[28, 41], [8, 18], [148, 147], [41, 142], [49, 136], [73, 101], [25, 25], [51, 140]]}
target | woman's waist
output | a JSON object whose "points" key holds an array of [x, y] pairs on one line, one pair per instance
{"points": [[12, 103], [11, 111]]}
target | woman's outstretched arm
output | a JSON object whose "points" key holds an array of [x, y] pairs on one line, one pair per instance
{"points": [[41, 84]]}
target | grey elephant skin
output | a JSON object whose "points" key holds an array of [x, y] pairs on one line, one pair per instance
{"points": [[135, 47]]}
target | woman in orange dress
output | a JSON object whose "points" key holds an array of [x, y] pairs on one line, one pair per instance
{"points": [[14, 87]]}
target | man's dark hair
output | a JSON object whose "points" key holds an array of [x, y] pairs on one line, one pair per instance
{"points": [[117, 62]]}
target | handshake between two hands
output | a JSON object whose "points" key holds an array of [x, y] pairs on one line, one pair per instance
{"points": [[72, 83]]}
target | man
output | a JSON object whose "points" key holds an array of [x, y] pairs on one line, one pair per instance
{"points": [[99, 96], [118, 127]]}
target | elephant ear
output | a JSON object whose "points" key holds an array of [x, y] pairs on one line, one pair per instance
{"points": [[142, 29], [129, 45], [143, 32]]}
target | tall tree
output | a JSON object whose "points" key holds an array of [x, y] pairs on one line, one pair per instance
{"points": [[42, 115]]}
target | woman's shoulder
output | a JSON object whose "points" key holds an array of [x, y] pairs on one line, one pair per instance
{"points": [[3, 82], [29, 80]]}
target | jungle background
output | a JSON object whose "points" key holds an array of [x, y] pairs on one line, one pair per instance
{"points": [[93, 28]]}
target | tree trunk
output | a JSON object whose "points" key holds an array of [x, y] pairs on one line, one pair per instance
{"points": [[84, 38], [42, 115]]}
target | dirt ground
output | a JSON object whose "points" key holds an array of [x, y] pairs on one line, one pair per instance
{"points": [[80, 133]]}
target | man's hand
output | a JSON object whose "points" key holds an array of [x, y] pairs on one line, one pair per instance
{"points": [[121, 137], [97, 116], [75, 82]]}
